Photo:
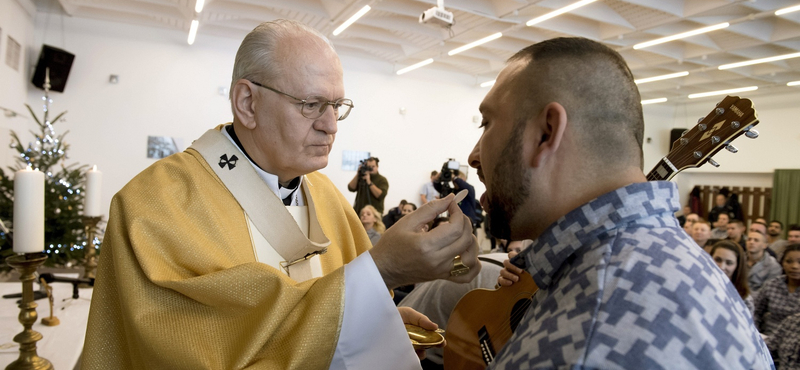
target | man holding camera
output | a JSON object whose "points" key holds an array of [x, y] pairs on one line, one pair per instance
{"points": [[370, 187]]}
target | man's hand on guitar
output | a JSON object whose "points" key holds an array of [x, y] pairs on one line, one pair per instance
{"points": [[510, 273]]}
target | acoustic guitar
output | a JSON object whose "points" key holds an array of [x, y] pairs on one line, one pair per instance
{"points": [[484, 320]]}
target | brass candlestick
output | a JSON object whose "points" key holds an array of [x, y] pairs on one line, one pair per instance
{"points": [[90, 256], [50, 320], [26, 265]]}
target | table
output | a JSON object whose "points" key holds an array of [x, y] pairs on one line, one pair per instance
{"points": [[62, 344]]}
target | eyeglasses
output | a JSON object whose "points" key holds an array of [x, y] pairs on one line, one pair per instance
{"points": [[314, 106]]}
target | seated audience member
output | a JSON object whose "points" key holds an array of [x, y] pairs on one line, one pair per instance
{"points": [[784, 345], [793, 236], [779, 298], [428, 192], [776, 243], [736, 233], [372, 223], [690, 220], [731, 258], [763, 266], [394, 214], [720, 207], [759, 226], [720, 230], [408, 208], [701, 233]]}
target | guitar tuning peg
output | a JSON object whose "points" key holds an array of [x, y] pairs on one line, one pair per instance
{"points": [[735, 125], [702, 126], [751, 133], [713, 162], [719, 111], [731, 148], [700, 119]]}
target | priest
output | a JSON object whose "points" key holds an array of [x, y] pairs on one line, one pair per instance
{"points": [[237, 254]]}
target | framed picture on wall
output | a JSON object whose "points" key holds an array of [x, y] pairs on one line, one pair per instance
{"points": [[162, 146], [13, 53]]}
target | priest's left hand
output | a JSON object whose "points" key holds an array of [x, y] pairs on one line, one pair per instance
{"points": [[413, 317]]}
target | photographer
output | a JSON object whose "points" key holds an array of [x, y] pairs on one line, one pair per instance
{"points": [[370, 187], [469, 204]]}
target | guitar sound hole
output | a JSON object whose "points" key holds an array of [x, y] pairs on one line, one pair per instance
{"points": [[517, 312]]}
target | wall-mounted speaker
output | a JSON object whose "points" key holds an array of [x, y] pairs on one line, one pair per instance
{"points": [[59, 61], [674, 135]]}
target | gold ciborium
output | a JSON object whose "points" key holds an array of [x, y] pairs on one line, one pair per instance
{"points": [[26, 264]]}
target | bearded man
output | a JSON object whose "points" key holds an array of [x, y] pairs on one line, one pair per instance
{"points": [[621, 285]]}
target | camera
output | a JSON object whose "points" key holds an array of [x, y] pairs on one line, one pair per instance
{"points": [[449, 169], [363, 168]]}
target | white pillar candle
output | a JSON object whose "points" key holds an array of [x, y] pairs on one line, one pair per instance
{"points": [[28, 211], [91, 206]]}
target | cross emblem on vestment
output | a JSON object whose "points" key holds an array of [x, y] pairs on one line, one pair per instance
{"points": [[231, 163]]}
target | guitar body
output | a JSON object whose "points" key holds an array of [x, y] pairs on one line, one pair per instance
{"points": [[483, 321]]}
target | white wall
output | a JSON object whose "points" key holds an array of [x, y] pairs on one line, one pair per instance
{"points": [[169, 88], [17, 22]]}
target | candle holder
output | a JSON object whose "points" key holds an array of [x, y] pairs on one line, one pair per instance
{"points": [[90, 256], [26, 264]]}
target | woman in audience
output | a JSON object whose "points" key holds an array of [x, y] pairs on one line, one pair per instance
{"points": [[779, 298], [730, 257], [372, 223]]}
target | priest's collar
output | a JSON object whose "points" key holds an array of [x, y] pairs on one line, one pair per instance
{"points": [[288, 194]]}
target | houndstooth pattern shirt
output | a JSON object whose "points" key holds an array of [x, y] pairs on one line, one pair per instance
{"points": [[785, 344], [773, 303], [623, 287]]}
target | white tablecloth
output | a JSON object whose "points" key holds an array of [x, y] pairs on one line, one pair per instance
{"points": [[62, 344]]}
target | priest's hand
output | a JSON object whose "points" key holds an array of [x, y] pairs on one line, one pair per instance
{"points": [[413, 317], [407, 254]]}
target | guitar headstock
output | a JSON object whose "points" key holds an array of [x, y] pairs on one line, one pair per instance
{"points": [[731, 118]]}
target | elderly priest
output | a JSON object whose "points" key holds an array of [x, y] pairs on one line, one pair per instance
{"points": [[237, 254]]}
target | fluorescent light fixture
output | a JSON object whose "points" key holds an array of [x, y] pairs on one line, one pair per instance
{"points": [[198, 6], [488, 83], [793, 83], [662, 77], [722, 92], [787, 10], [558, 12], [352, 20], [192, 32], [475, 43], [757, 61], [415, 66], [653, 101], [682, 35]]}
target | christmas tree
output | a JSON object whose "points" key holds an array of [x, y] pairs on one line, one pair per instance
{"points": [[65, 239]]}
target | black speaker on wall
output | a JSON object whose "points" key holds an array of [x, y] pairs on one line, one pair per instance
{"points": [[59, 61], [674, 135]]}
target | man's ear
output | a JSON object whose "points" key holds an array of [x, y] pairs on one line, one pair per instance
{"points": [[243, 103], [550, 125]]}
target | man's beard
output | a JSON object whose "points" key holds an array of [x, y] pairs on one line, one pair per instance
{"points": [[509, 186]]}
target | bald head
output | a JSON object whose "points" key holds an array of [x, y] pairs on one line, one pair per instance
{"points": [[264, 51], [595, 86]]}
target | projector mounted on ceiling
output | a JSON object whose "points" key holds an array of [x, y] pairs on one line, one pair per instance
{"points": [[437, 15]]}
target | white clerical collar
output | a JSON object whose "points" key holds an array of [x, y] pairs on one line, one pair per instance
{"points": [[272, 180]]}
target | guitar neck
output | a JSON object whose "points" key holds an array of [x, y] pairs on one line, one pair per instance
{"points": [[663, 171]]}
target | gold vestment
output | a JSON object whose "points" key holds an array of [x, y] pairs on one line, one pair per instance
{"points": [[179, 287]]}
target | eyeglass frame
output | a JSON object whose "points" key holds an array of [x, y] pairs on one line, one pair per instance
{"points": [[305, 101]]}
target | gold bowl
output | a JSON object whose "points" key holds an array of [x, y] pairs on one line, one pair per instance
{"points": [[423, 338]]}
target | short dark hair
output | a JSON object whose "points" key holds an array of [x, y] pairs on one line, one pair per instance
{"points": [[581, 74], [434, 173], [735, 221], [375, 159], [794, 227], [778, 222], [790, 248]]}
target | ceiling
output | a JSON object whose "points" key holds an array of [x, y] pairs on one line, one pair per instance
{"points": [[391, 32]]}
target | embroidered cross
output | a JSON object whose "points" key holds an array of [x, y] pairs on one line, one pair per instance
{"points": [[223, 160]]}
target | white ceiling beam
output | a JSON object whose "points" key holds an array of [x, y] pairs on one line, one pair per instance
{"points": [[246, 11], [404, 24]]}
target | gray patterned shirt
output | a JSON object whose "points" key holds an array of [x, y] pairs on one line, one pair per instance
{"points": [[623, 287], [764, 270]]}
